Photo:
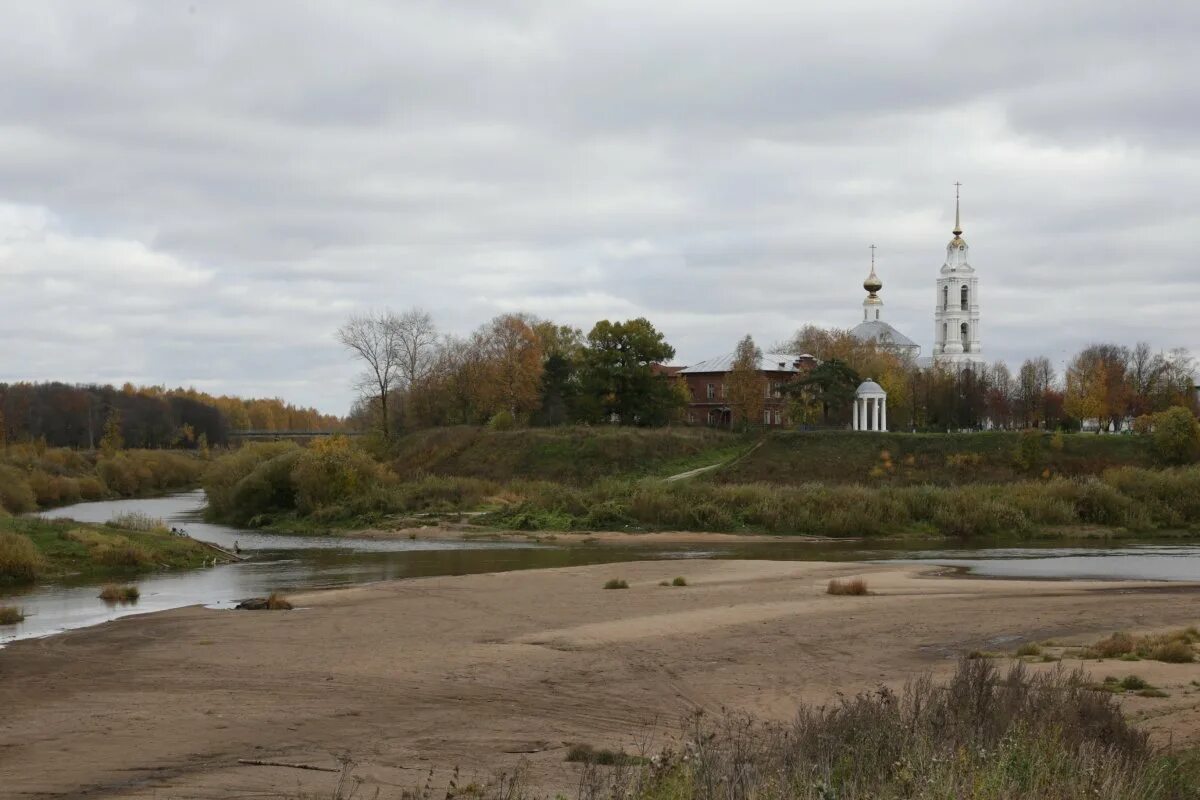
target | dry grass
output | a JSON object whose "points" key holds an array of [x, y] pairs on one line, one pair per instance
{"points": [[278, 602], [853, 586], [984, 735], [1174, 647], [11, 615], [1029, 649], [19, 558], [115, 593]]}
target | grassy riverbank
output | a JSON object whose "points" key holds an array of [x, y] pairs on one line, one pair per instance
{"points": [[32, 548], [33, 477], [943, 459], [1007, 484]]}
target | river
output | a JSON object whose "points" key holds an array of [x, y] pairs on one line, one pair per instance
{"points": [[291, 563]]}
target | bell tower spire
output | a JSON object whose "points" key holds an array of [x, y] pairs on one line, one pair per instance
{"points": [[957, 225], [956, 316]]}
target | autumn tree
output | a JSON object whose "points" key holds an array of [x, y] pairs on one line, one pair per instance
{"points": [[829, 386], [371, 338], [1097, 385], [510, 363], [112, 440], [747, 386]]}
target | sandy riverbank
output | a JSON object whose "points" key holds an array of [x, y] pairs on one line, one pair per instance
{"points": [[483, 671]]}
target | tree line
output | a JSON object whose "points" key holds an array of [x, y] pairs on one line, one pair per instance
{"points": [[520, 369], [514, 369], [1109, 383], [91, 416]]}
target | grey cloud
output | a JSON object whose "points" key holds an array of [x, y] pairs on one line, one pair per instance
{"points": [[200, 192]]}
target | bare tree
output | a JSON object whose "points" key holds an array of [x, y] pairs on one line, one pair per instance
{"points": [[372, 339], [416, 339]]}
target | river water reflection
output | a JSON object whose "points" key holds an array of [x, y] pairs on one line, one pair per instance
{"points": [[290, 563]]}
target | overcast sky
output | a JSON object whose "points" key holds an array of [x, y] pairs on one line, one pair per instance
{"points": [[198, 193]]}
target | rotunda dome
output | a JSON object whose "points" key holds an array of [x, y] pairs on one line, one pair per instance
{"points": [[869, 388]]}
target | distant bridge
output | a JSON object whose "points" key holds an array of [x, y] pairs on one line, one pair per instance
{"points": [[243, 435]]}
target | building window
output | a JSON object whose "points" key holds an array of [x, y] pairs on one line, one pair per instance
{"points": [[712, 391], [766, 416], [945, 297], [778, 416], [965, 305], [724, 393], [943, 333], [966, 338]]}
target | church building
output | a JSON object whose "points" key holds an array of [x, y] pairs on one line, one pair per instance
{"points": [[874, 328]]}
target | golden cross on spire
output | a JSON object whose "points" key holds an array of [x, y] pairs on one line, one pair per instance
{"points": [[872, 258]]}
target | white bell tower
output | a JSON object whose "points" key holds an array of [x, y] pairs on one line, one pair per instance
{"points": [[956, 316]]}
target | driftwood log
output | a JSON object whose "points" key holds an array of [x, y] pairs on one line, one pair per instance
{"points": [[254, 762]]}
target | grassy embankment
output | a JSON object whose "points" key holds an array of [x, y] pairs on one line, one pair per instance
{"points": [[900, 459], [33, 478], [998, 484], [32, 548]]}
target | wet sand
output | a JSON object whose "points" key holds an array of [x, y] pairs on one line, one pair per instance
{"points": [[485, 671]]}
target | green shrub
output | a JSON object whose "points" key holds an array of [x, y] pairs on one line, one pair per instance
{"points": [[1133, 682], [616, 583], [16, 496], [19, 558], [680, 581], [332, 471], [221, 477], [1176, 436], [502, 421], [1029, 649], [11, 615]]}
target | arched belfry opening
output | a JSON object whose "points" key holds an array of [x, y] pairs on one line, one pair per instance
{"points": [[965, 297], [966, 337]]}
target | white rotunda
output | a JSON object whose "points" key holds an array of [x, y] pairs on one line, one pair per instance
{"points": [[870, 407]]}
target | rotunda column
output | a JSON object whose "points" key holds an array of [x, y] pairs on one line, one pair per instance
{"points": [[883, 414], [854, 415]]}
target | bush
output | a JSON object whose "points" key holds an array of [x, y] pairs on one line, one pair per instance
{"points": [[680, 581], [332, 471], [616, 583], [16, 496], [223, 474], [1176, 436], [1176, 652], [1029, 649], [502, 421], [11, 615], [854, 586], [984, 735], [1133, 682], [137, 521], [115, 593], [19, 558]]}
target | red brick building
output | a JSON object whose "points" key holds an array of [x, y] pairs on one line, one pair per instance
{"points": [[708, 383]]}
